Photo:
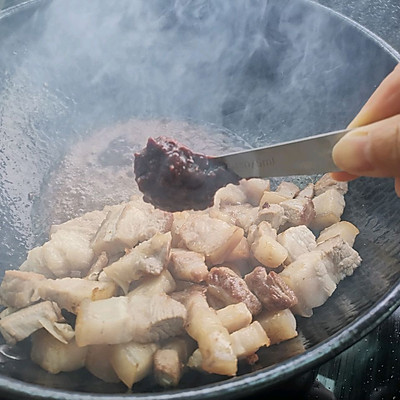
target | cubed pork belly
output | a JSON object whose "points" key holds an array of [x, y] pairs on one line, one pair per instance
{"points": [[239, 257], [297, 240], [19, 288], [188, 265], [147, 258], [310, 280], [228, 195], [254, 189], [98, 363], [22, 323], [270, 289], [326, 182], [307, 192], [272, 213], [128, 225], [68, 293], [329, 207], [344, 258], [287, 189], [153, 284], [279, 325], [143, 318], [54, 356], [264, 246], [235, 316], [97, 267], [209, 236], [229, 287], [242, 215], [346, 230], [298, 211]]}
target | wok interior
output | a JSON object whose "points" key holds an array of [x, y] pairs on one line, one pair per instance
{"points": [[220, 76]]}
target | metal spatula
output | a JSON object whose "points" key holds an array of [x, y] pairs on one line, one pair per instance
{"points": [[306, 156]]}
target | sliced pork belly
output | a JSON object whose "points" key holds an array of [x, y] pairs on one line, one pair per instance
{"points": [[326, 182], [346, 230], [344, 258], [148, 258], [329, 207], [19, 288], [272, 213], [230, 288], [188, 265], [299, 211], [22, 323], [209, 236], [270, 289], [143, 318], [310, 280], [128, 225], [297, 240]]}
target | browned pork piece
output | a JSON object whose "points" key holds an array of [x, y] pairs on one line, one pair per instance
{"points": [[310, 279], [326, 182], [235, 316], [54, 356], [19, 288], [22, 323], [298, 211], [346, 230], [209, 236], [279, 325], [297, 240], [264, 246], [129, 224], [272, 213], [270, 289], [329, 207], [147, 258], [98, 363], [170, 360], [143, 318], [188, 265], [230, 288], [204, 326], [132, 361], [344, 258]]}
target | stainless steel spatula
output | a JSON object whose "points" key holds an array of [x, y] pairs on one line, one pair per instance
{"points": [[306, 156]]}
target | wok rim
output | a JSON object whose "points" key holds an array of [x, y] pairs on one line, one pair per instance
{"points": [[253, 381]]}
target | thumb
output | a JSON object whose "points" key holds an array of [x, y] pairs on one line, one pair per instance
{"points": [[371, 150]]}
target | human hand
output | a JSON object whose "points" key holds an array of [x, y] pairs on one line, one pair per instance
{"points": [[373, 147]]}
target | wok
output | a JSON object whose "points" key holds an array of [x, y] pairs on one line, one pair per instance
{"points": [[86, 82]]}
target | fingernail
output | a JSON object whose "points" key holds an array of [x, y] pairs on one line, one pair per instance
{"points": [[351, 153]]}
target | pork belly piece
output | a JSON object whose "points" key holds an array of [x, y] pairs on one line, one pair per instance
{"points": [[149, 285], [204, 326], [68, 293], [264, 246], [170, 360], [235, 316], [279, 325], [326, 182], [98, 362], [188, 265], [19, 288], [346, 230], [22, 323], [148, 258], [128, 225], [329, 207], [310, 280], [143, 318], [239, 257], [254, 189], [67, 252], [299, 211], [297, 240], [272, 213], [272, 197], [230, 288], [54, 356], [307, 192], [344, 258], [287, 189], [97, 267], [132, 361], [228, 195], [242, 215], [209, 236], [270, 289]]}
